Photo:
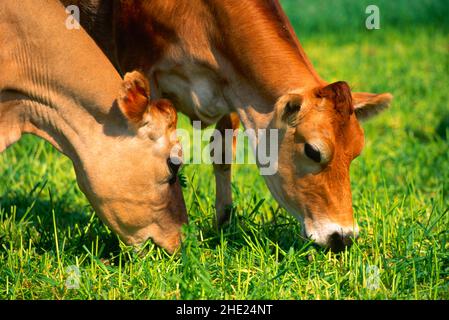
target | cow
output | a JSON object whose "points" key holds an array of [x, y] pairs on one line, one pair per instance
{"points": [[57, 84], [221, 61]]}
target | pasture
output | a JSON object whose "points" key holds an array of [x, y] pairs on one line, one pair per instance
{"points": [[400, 186]]}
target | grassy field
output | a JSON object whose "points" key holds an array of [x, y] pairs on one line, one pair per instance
{"points": [[400, 188]]}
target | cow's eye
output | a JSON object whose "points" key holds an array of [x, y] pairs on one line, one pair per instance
{"points": [[312, 152], [173, 166], [291, 111]]}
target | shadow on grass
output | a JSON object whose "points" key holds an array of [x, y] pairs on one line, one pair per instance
{"points": [[346, 17], [441, 130], [25, 218], [242, 231], [443, 127]]}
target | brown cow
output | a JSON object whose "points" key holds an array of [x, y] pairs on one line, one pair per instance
{"points": [[57, 84], [216, 57]]}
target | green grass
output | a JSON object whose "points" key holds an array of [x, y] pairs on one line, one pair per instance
{"points": [[400, 188]]}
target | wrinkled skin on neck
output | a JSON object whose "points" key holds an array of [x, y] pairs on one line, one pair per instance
{"points": [[67, 92]]}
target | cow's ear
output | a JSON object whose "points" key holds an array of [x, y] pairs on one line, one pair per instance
{"points": [[133, 98], [163, 111], [367, 105]]}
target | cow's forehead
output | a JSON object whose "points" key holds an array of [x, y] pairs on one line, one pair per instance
{"points": [[325, 119]]}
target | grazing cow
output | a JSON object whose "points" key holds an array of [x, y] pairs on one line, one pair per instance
{"points": [[213, 58], [57, 84]]}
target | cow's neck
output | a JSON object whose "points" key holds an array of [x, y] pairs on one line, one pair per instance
{"points": [[47, 88], [226, 61], [262, 46], [266, 57]]}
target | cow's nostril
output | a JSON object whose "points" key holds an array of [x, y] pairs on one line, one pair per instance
{"points": [[337, 242]]}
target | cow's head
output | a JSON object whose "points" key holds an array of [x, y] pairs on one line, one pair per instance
{"points": [[320, 136], [154, 124], [133, 181]]}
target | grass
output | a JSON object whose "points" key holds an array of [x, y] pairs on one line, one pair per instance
{"points": [[400, 189]]}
